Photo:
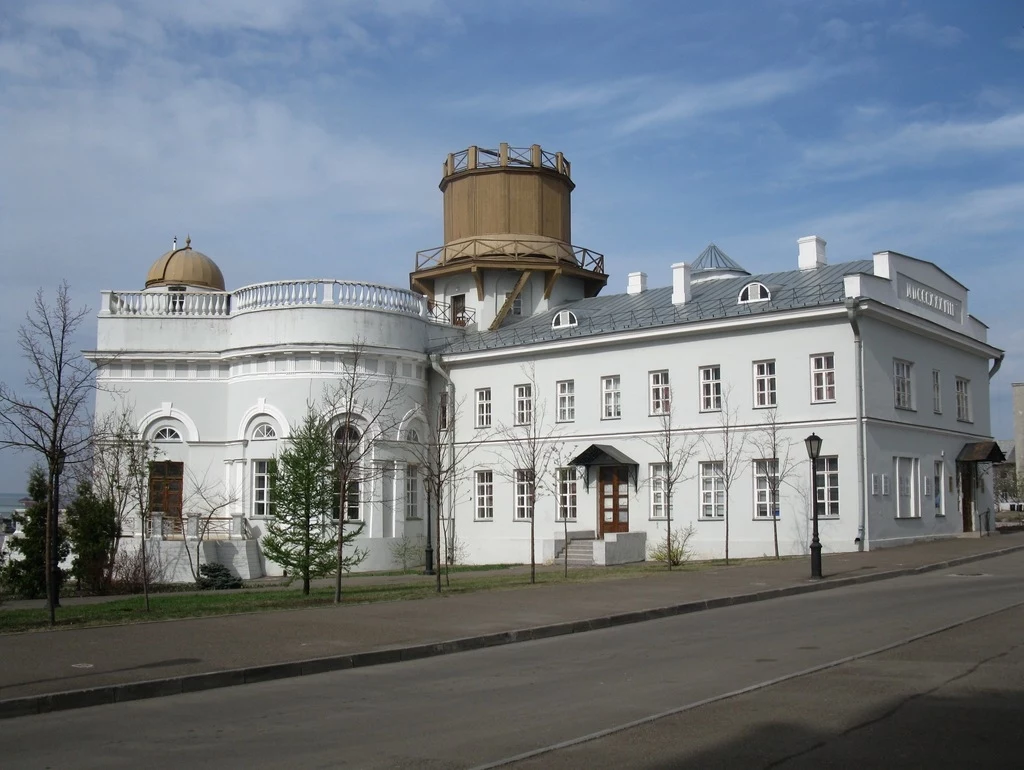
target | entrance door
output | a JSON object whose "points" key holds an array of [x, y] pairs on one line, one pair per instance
{"points": [[966, 479], [613, 499]]}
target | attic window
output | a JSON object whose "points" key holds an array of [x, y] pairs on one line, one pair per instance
{"points": [[755, 292], [167, 434], [564, 319]]}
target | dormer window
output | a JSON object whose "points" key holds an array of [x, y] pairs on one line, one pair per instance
{"points": [[564, 319], [755, 292]]}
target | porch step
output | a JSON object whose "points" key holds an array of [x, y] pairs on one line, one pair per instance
{"points": [[581, 553]]}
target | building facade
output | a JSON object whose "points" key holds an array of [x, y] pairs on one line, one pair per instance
{"points": [[595, 413]]}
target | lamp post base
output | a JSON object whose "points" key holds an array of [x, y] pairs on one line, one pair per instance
{"points": [[815, 560], [429, 559]]}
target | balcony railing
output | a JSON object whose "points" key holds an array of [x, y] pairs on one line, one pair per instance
{"points": [[265, 296], [506, 157], [442, 313], [510, 248]]}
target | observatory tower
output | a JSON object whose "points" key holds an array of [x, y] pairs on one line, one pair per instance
{"points": [[507, 239]]}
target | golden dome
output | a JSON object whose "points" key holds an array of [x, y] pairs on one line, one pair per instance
{"points": [[186, 267]]}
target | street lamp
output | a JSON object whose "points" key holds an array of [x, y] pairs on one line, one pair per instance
{"points": [[813, 443]]}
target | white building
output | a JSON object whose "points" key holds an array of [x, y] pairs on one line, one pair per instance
{"points": [[879, 357]]}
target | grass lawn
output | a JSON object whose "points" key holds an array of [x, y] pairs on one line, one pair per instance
{"points": [[355, 590]]}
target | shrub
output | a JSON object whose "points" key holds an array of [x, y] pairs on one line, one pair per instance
{"points": [[680, 551], [128, 575], [216, 577]]}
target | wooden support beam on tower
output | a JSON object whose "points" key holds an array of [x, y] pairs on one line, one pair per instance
{"points": [[510, 299]]}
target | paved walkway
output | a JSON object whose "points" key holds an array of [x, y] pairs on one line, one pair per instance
{"points": [[52, 670]]}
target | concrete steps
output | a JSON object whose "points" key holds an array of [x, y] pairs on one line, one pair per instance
{"points": [[581, 553]]}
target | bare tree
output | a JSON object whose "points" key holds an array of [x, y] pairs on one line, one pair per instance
{"points": [[365, 403], [674, 452], [51, 416], [727, 453], [535, 450], [205, 504], [778, 465], [567, 485]]}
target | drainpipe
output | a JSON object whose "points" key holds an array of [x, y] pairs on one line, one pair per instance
{"points": [[996, 364], [435, 364], [853, 308]]}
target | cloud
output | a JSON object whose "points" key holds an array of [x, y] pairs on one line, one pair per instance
{"points": [[919, 143], [920, 28], [694, 101]]}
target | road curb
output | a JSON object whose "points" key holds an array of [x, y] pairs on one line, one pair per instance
{"points": [[158, 688]]}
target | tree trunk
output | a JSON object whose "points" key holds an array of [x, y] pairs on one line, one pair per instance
{"points": [[727, 527], [305, 553], [775, 525], [668, 521]]}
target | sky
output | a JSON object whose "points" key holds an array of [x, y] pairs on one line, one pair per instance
{"points": [[304, 138]]}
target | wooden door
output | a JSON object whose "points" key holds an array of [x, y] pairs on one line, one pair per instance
{"points": [[165, 494], [613, 499]]}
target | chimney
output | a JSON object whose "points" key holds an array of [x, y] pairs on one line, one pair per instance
{"points": [[811, 252], [680, 283], [637, 283]]}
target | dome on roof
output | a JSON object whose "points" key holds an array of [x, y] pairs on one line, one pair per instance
{"points": [[186, 267], [715, 263]]}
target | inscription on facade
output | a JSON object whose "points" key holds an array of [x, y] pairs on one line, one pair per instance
{"points": [[929, 298]]}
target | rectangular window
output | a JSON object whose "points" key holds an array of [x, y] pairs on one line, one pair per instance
{"points": [[524, 495], [412, 492], [823, 378], [566, 392], [659, 491], [483, 408], [937, 486], [764, 383], [351, 500], [903, 384], [827, 472], [963, 399], [442, 411], [908, 502], [710, 388], [936, 392], [567, 490], [524, 404], [517, 303], [766, 489], [484, 495], [712, 491], [659, 392], [611, 398], [262, 502]]}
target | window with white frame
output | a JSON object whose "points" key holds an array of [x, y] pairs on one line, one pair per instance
{"points": [[766, 489], [908, 501], [827, 473], [566, 393], [902, 372], [710, 388], [443, 418], [264, 431], [483, 408], [764, 383], [936, 391], [524, 404], [484, 484], [659, 491], [262, 486], [611, 398], [524, 494], [352, 512], [412, 492], [166, 434], [937, 485], [659, 392], [517, 303], [963, 399], [712, 490], [823, 378], [567, 494], [754, 292]]}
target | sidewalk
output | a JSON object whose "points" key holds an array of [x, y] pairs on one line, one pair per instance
{"points": [[54, 670]]}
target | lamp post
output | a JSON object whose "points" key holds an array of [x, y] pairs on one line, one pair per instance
{"points": [[813, 444]]}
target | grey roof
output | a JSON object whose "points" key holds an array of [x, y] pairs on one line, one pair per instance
{"points": [[713, 259], [790, 290], [1009, 449]]}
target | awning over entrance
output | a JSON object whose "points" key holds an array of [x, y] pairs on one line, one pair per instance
{"points": [[981, 452], [597, 455]]}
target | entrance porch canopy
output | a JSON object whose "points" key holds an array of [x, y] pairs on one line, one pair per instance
{"points": [[597, 455], [981, 452]]}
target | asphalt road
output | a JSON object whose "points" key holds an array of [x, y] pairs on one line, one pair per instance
{"points": [[483, 707]]}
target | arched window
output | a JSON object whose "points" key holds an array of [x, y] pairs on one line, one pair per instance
{"points": [[755, 292], [412, 435], [166, 434], [564, 319], [264, 431]]}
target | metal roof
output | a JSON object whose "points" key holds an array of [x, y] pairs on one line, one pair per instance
{"points": [[714, 259], [981, 452], [790, 290]]}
